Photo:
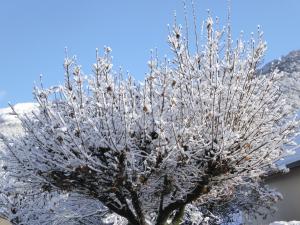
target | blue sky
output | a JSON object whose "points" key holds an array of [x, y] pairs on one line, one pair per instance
{"points": [[34, 34]]}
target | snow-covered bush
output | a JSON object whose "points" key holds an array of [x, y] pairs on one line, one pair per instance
{"points": [[199, 133]]}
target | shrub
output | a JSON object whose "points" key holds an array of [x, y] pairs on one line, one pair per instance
{"points": [[200, 131]]}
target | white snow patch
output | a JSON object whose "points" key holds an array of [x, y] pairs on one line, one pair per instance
{"points": [[7, 115], [285, 223], [9, 123]]}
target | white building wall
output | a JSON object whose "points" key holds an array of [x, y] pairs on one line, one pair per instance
{"points": [[289, 208]]}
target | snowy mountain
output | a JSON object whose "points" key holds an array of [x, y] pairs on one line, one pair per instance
{"points": [[9, 123], [289, 66], [289, 63]]}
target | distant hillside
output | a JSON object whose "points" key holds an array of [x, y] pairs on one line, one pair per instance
{"points": [[9, 123], [289, 65]]}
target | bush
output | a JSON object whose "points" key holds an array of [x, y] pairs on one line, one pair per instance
{"points": [[198, 134]]}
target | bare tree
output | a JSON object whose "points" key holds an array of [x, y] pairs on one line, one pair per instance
{"points": [[203, 128]]}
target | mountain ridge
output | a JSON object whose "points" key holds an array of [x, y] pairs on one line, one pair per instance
{"points": [[289, 67]]}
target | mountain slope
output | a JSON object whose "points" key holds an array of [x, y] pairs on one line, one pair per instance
{"points": [[10, 125], [289, 66]]}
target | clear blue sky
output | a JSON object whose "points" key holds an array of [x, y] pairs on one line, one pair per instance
{"points": [[34, 34]]}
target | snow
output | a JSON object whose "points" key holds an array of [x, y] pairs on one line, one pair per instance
{"points": [[289, 66], [294, 157], [142, 161], [9, 123], [290, 159], [20, 108], [285, 223]]}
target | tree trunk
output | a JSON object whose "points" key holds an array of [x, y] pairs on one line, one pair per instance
{"points": [[178, 216]]}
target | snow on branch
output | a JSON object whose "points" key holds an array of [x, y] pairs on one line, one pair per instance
{"points": [[203, 128]]}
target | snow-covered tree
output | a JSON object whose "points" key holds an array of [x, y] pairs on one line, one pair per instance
{"points": [[199, 133]]}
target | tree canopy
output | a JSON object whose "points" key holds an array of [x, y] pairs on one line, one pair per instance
{"points": [[191, 141]]}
